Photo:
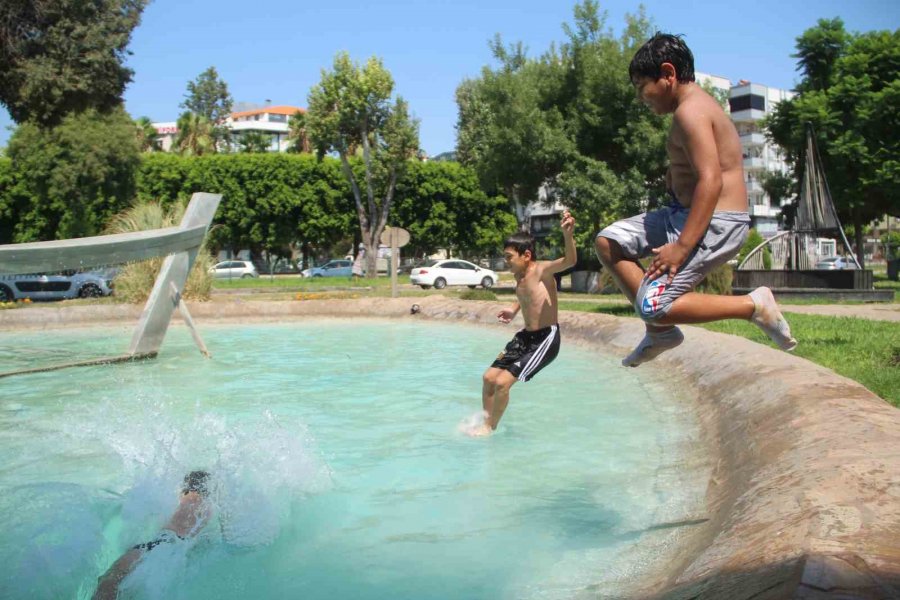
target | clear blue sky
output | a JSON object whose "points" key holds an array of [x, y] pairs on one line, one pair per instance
{"points": [[275, 50]]}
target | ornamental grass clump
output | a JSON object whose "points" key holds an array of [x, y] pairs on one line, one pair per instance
{"points": [[135, 280]]}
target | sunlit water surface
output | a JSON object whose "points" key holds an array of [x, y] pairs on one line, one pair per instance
{"points": [[339, 470]]}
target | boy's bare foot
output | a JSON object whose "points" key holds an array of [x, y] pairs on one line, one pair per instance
{"points": [[653, 344], [767, 317], [482, 430]]}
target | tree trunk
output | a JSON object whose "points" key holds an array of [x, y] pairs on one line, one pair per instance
{"points": [[858, 234], [523, 213]]}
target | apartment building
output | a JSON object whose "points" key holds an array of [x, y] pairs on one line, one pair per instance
{"points": [[749, 103], [270, 120]]}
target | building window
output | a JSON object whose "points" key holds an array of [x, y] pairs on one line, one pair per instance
{"points": [[277, 118], [750, 101]]}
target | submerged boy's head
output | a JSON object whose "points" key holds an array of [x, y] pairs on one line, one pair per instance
{"points": [[195, 481], [518, 250], [663, 60]]}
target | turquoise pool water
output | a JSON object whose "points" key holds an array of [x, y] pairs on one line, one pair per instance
{"points": [[339, 470]]}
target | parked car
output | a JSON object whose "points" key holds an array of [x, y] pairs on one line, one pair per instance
{"points": [[835, 262], [234, 269], [55, 286], [282, 266], [340, 267], [441, 273]]}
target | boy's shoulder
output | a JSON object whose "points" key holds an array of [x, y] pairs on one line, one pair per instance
{"points": [[698, 104]]}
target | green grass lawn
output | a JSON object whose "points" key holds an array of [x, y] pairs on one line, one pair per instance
{"points": [[860, 349]]}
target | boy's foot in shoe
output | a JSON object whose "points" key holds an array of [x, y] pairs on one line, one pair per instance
{"points": [[768, 317], [653, 344]]}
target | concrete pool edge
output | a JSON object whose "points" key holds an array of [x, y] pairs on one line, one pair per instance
{"points": [[805, 497]]}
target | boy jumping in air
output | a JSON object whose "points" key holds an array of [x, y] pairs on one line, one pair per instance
{"points": [[535, 346], [704, 225]]}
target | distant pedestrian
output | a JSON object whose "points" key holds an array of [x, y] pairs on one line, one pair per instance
{"points": [[357, 269]]}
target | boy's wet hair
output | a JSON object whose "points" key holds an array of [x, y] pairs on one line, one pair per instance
{"points": [[195, 481], [520, 242], [662, 48]]}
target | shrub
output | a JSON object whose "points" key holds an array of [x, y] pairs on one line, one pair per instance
{"points": [[754, 239], [135, 281], [478, 295], [718, 281]]}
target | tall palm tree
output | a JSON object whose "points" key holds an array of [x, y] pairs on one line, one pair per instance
{"points": [[299, 133], [195, 135], [146, 135]]}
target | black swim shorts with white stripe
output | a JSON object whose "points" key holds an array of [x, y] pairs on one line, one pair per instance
{"points": [[529, 352]]}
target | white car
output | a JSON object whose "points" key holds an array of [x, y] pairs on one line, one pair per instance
{"points": [[441, 273], [835, 263], [234, 269]]}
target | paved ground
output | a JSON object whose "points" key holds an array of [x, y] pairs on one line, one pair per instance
{"points": [[878, 312]]}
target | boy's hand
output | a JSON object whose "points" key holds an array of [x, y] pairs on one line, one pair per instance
{"points": [[567, 223], [668, 259], [506, 315]]}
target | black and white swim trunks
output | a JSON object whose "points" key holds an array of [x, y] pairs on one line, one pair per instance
{"points": [[529, 352]]}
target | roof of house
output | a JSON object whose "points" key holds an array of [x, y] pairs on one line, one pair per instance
{"points": [[275, 110]]}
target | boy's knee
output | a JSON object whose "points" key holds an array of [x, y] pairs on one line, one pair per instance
{"points": [[604, 247], [651, 303]]}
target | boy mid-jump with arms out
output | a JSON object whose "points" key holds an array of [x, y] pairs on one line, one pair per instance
{"points": [[535, 346], [704, 225]]}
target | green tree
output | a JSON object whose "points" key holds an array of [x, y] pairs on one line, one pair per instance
{"points": [[443, 207], [351, 108], [507, 132], [64, 56], [146, 135], [270, 201], [851, 96], [208, 97], [195, 135], [72, 178], [299, 133], [778, 186], [8, 215], [567, 122], [254, 142]]}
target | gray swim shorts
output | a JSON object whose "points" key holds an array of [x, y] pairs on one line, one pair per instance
{"points": [[640, 234]]}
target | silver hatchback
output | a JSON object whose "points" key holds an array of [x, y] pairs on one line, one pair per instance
{"points": [[55, 286], [234, 269]]}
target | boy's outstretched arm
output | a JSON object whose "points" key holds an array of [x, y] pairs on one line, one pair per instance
{"points": [[567, 223]]}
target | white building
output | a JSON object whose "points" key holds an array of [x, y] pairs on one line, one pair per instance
{"points": [[749, 103], [270, 120]]}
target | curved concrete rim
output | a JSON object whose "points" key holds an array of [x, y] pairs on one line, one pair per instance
{"points": [[804, 498]]}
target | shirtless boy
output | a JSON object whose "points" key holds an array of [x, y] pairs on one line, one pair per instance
{"points": [[535, 346], [187, 520], [705, 224]]}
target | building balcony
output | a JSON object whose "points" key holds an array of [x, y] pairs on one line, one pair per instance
{"points": [[764, 210], [754, 186], [750, 115], [754, 163], [265, 126], [753, 139]]}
